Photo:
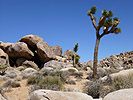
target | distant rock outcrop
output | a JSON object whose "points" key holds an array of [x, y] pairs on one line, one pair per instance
{"points": [[68, 54], [57, 50], [124, 60]]}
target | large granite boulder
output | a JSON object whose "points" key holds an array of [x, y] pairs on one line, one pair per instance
{"points": [[57, 95], [17, 50], [30, 64], [123, 94], [31, 40], [68, 54], [57, 65], [28, 72], [4, 60], [44, 52], [57, 50]]}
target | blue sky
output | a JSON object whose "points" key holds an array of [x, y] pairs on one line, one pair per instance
{"points": [[65, 23]]}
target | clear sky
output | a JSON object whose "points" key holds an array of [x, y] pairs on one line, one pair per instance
{"points": [[65, 23]]}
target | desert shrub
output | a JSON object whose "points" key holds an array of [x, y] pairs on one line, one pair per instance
{"points": [[3, 69], [122, 82], [34, 79], [11, 83], [51, 81], [93, 88], [117, 83]]}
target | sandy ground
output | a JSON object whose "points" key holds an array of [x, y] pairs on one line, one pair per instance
{"points": [[20, 93]]}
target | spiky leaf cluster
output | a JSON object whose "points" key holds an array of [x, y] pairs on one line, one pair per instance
{"points": [[116, 19], [108, 23], [117, 30], [92, 11], [76, 47], [110, 14], [104, 12]]}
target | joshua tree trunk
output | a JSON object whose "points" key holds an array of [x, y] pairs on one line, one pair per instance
{"points": [[95, 58]]}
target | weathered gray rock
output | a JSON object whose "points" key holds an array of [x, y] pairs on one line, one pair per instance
{"points": [[31, 40], [2, 98], [4, 59], [30, 64], [44, 52], [123, 94], [17, 50], [57, 95], [122, 73], [61, 59], [56, 64], [57, 50], [12, 72], [29, 72], [68, 54], [69, 69]]}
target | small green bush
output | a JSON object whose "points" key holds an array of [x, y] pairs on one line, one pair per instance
{"points": [[50, 81], [34, 79], [3, 67]]}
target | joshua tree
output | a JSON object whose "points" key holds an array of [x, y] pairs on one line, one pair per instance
{"points": [[75, 57], [108, 24]]}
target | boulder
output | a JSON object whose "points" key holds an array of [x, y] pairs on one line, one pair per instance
{"points": [[122, 73], [57, 50], [12, 72], [61, 59], [30, 64], [69, 69], [123, 94], [57, 95], [31, 40], [28, 72], [4, 59], [56, 64], [2, 98], [68, 54], [17, 50], [44, 52]]}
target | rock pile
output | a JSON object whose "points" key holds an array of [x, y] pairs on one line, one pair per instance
{"points": [[31, 50], [124, 60]]}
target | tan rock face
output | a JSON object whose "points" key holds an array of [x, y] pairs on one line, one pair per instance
{"points": [[57, 50], [31, 40], [44, 52], [3, 58], [57, 95], [17, 50], [68, 54], [124, 94]]}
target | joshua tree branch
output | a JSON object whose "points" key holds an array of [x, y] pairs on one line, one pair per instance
{"points": [[113, 27], [102, 20], [93, 21]]}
